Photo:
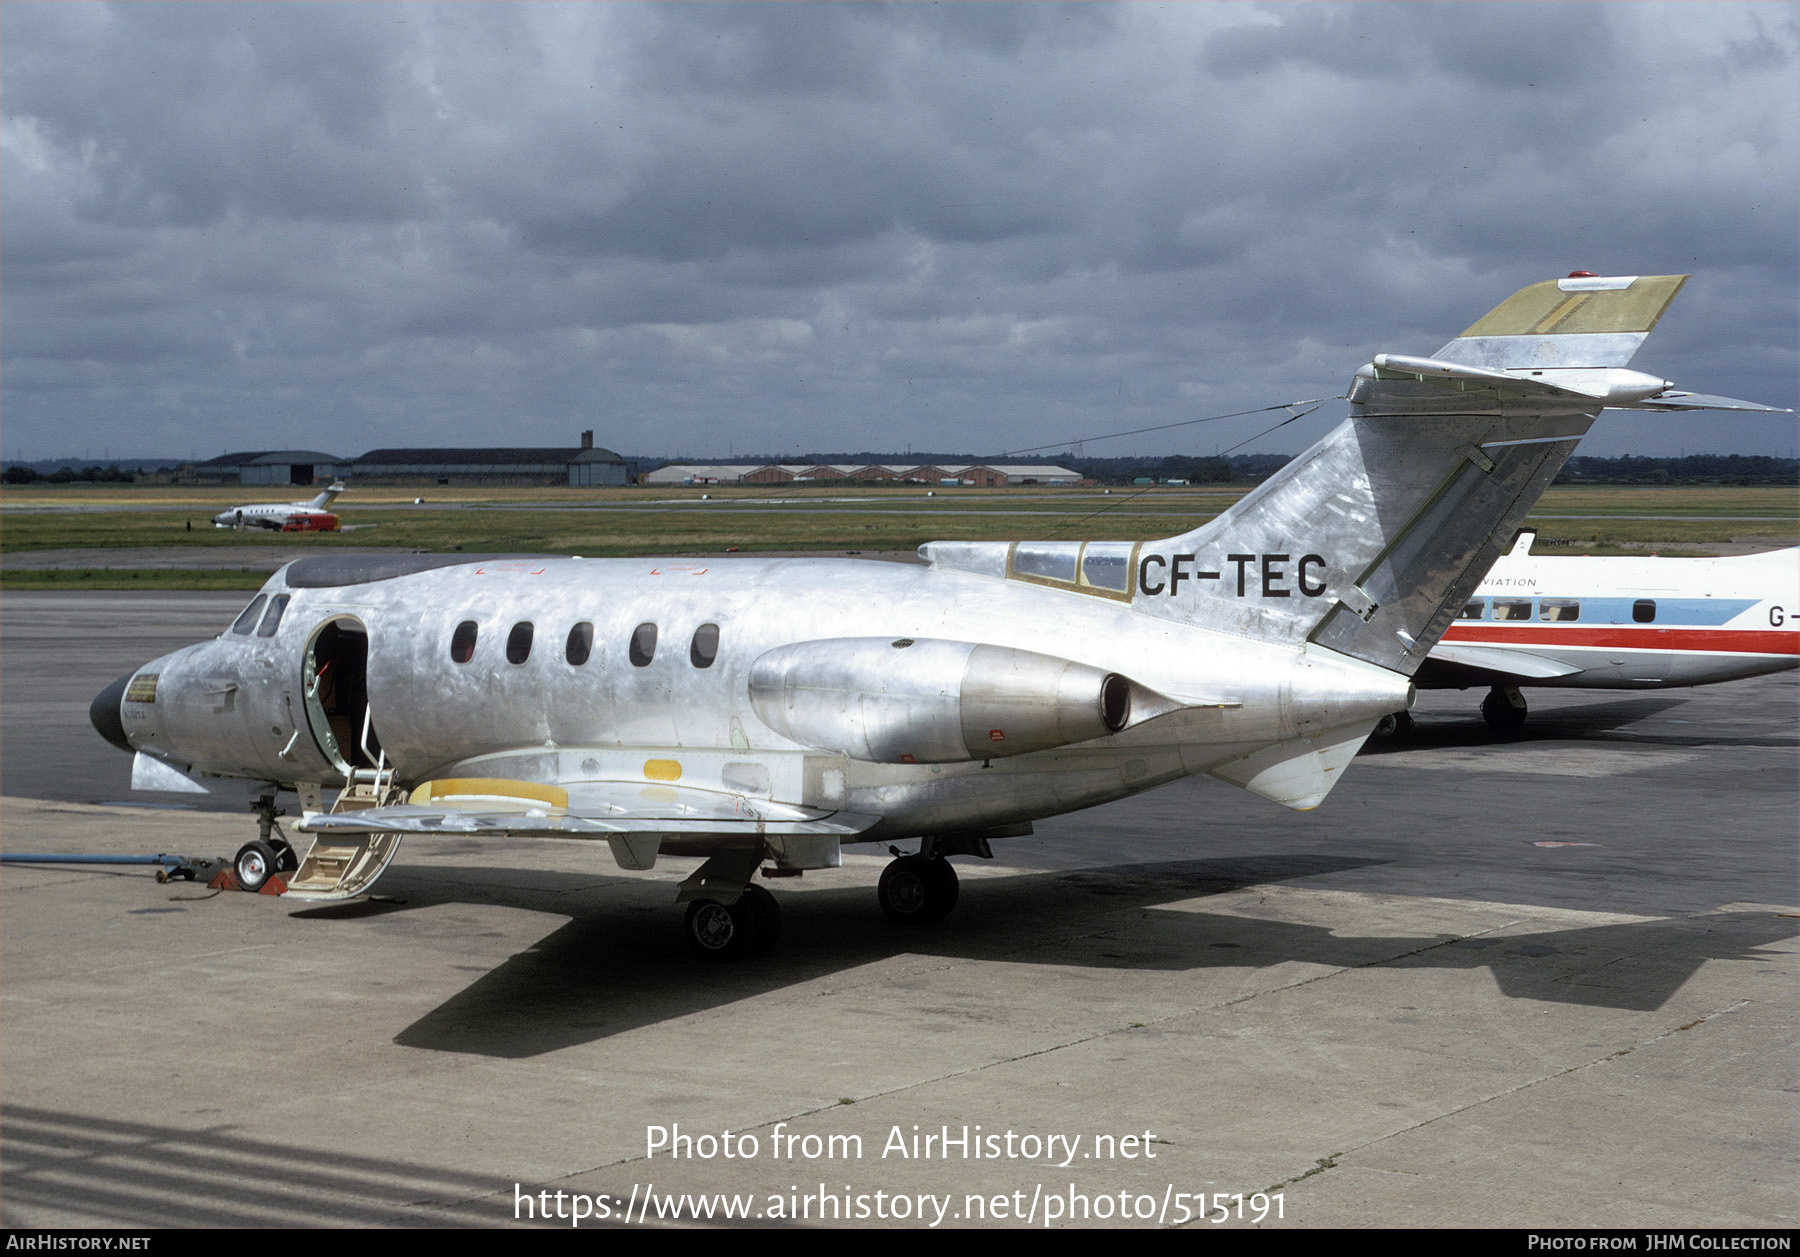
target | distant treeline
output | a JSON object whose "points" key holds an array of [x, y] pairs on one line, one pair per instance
{"points": [[25, 473], [1742, 469]]}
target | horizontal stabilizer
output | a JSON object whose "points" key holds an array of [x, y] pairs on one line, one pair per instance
{"points": [[1300, 773], [1674, 399], [1519, 663]]}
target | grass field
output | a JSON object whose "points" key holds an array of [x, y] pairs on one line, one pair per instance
{"points": [[1577, 520]]}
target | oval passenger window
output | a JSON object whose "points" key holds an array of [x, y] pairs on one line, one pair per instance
{"points": [[462, 642], [643, 645], [518, 642], [580, 644], [705, 647]]}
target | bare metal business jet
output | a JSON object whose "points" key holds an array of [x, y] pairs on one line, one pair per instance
{"points": [[310, 516], [763, 713]]}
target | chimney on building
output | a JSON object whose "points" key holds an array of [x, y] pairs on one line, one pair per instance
{"points": [[587, 439]]}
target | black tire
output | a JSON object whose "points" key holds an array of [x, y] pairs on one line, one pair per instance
{"points": [[1393, 728], [255, 863], [722, 933], [1501, 712], [915, 889], [767, 911]]}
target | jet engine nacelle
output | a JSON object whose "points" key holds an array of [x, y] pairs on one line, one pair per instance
{"points": [[924, 701]]}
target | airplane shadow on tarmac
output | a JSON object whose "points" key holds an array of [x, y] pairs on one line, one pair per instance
{"points": [[621, 965]]}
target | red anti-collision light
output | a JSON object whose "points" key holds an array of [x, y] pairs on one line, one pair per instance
{"points": [[1583, 275]]}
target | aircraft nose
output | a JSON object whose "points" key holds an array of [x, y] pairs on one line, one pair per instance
{"points": [[104, 712]]}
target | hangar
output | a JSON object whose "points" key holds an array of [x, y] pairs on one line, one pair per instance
{"points": [[266, 467]]}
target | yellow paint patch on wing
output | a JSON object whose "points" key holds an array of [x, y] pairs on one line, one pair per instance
{"points": [[489, 788], [662, 769]]}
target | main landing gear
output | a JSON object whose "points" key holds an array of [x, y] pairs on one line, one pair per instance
{"points": [[748, 926], [917, 888], [730, 917], [1504, 708], [268, 853], [1393, 728]]}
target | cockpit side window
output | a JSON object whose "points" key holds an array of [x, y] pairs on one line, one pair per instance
{"points": [[247, 620], [462, 642], [580, 644], [272, 617], [643, 645], [518, 642]]}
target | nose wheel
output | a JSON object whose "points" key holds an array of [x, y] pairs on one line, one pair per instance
{"points": [[266, 855], [917, 888]]}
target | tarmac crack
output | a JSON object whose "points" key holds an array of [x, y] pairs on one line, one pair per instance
{"points": [[1331, 1162]]}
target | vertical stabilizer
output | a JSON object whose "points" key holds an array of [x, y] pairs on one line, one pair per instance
{"points": [[1370, 541]]}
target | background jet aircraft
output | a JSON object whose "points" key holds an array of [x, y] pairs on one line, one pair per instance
{"points": [[310, 516], [761, 713], [1614, 624]]}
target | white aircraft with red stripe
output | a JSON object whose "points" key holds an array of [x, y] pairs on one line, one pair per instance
{"points": [[1617, 623], [309, 516]]}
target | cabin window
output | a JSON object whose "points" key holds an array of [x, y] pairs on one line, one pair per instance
{"points": [[462, 642], [272, 617], [1046, 560], [1473, 609], [247, 620], [1563, 609], [518, 642], [643, 645], [705, 646], [1644, 610], [580, 644], [1512, 608], [1107, 565]]}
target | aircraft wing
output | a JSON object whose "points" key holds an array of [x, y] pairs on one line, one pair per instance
{"points": [[584, 809], [1507, 659], [351, 849]]}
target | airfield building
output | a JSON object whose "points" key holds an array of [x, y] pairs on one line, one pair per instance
{"points": [[981, 475], [268, 467]]}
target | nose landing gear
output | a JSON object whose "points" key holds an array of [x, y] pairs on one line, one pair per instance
{"points": [[268, 853]]}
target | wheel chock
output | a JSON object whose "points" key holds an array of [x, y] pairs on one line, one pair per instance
{"points": [[225, 879]]}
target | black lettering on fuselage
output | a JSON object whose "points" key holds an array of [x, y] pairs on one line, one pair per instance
{"points": [[1306, 586], [1271, 571], [1272, 575], [1240, 560]]}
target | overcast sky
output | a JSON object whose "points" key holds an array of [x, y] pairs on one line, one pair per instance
{"points": [[783, 229]]}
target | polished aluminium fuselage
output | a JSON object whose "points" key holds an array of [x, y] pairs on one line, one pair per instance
{"points": [[1636, 622], [236, 706]]}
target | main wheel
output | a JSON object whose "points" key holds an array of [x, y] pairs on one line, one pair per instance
{"points": [[767, 911], [914, 888], [720, 933], [255, 863], [1503, 708], [1393, 727]]}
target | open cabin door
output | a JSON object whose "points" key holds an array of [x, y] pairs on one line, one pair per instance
{"points": [[335, 681]]}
